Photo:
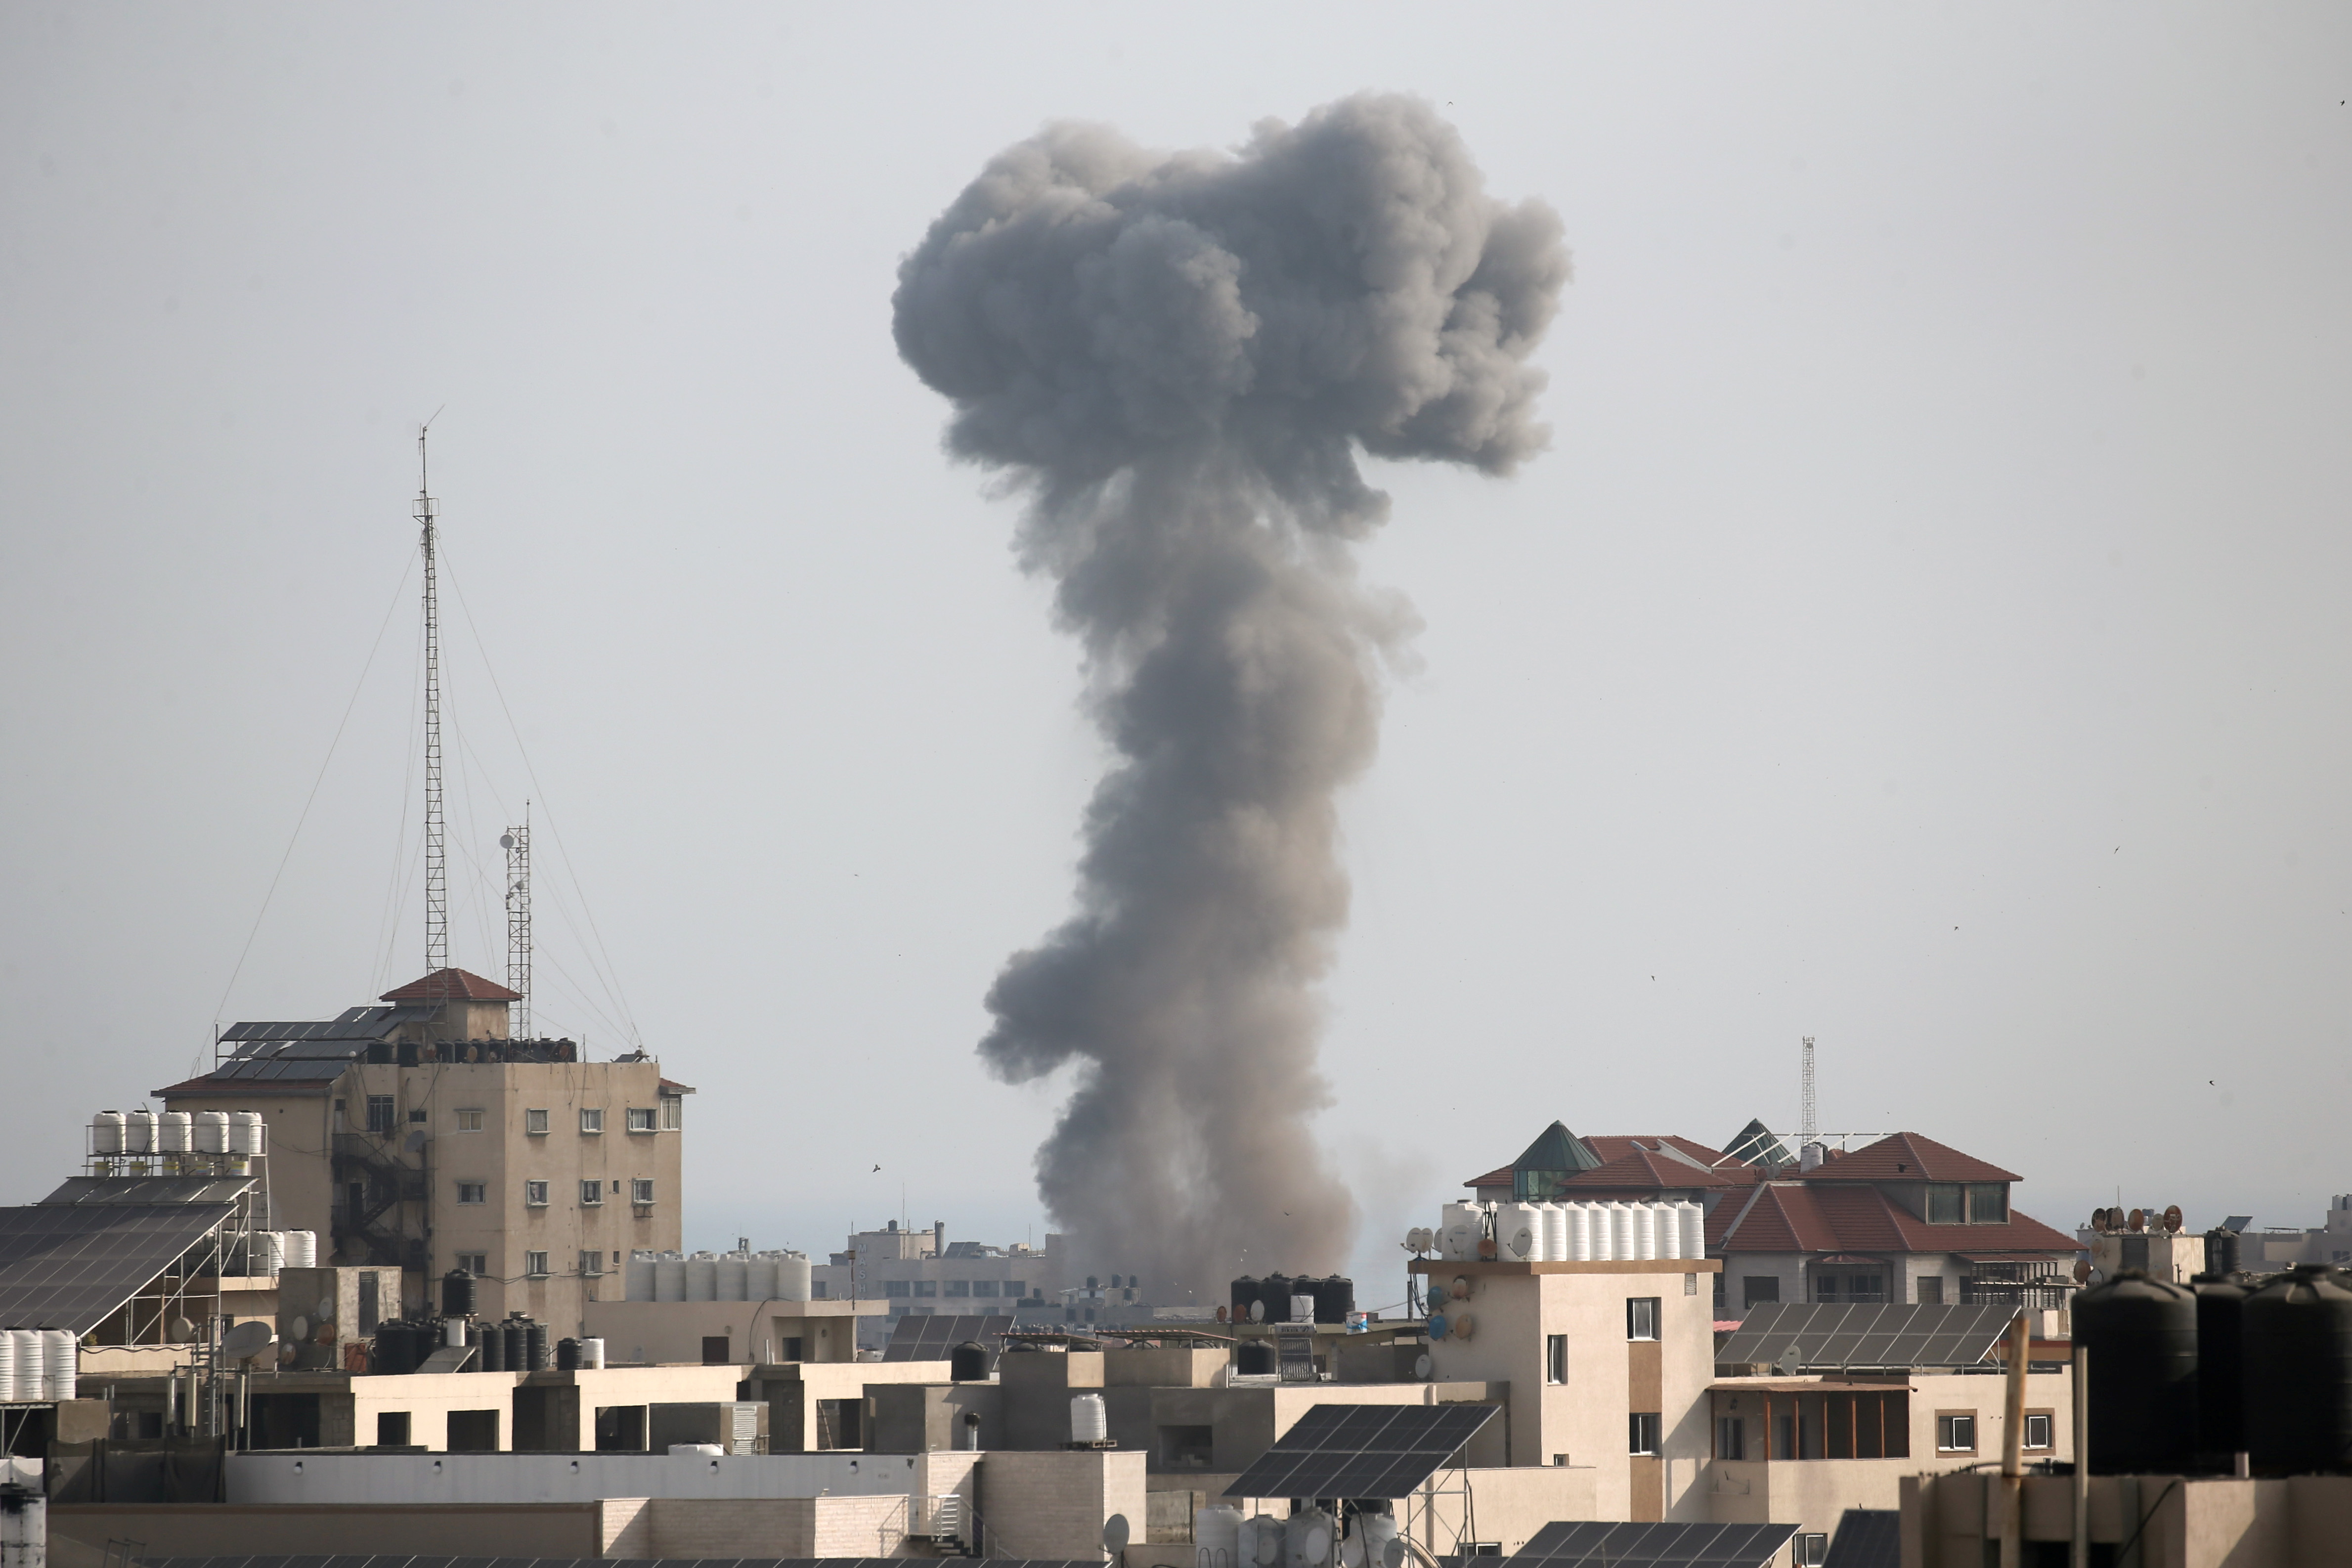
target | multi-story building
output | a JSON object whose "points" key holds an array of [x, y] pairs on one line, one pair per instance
{"points": [[921, 1273], [417, 1134]]}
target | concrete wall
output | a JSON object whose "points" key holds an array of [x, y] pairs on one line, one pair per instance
{"points": [[658, 1331], [792, 1392], [756, 1527], [1055, 1503], [2191, 1522], [423, 1479], [78, 1532], [325, 1343]]}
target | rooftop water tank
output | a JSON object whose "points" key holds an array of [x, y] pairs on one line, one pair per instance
{"points": [[638, 1277], [968, 1362], [2141, 1339], [106, 1133], [1519, 1233], [2221, 1366], [60, 1358], [1307, 1536], [1459, 1225], [1579, 1233], [702, 1278], [1645, 1229], [139, 1132], [459, 1297], [1089, 1420], [669, 1279], [1253, 1358], [7, 1367], [792, 1276], [567, 1355], [172, 1133], [492, 1338], [534, 1347], [1691, 1218], [592, 1354], [1216, 1533], [32, 1375], [2298, 1372], [245, 1133], [1555, 1217], [1244, 1291], [212, 1132], [1335, 1299], [731, 1277], [302, 1248]]}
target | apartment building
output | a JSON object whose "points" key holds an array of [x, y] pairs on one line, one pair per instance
{"points": [[418, 1135]]}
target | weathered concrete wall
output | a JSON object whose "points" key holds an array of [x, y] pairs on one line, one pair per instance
{"points": [[484, 1530], [1054, 1504]]}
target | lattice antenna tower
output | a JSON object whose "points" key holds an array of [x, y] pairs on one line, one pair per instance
{"points": [[1808, 1120], [436, 860], [516, 842]]}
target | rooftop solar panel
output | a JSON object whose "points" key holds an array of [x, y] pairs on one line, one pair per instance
{"points": [[1577, 1542], [933, 1337], [69, 1266], [1867, 1538], [1361, 1451], [1793, 1335], [150, 1191]]}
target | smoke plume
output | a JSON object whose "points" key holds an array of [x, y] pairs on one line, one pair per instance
{"points": [[1176, 357]]}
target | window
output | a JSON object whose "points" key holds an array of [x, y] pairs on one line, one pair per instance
{"points": [[1955, 1432], [1555, 1358], [392, 1428], [672, 1108], [1014, 1288], [534, 1194], [534, 1122], [474, 1263], [641, 1189], [1187, 1447], [927, 1287], [1641, 1317], [379, 1114], [535, 1265], [958, 1288], [591, 1122], [1641, 1432], [1755, 1288], [1731, 1438], [470, 1119], [641, 1118], [592, 1260], [1944, 1202], [821, 1290], [1810, 1549], [897, 1288], [983, 1286], [1987, 1202], [371, 1302], [592, 1194], [473, 1192], [416, 1116], [1931, 1290], [2037, 1429]]}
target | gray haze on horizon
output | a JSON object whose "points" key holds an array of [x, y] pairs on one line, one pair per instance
{"points": [[1925, 633]]}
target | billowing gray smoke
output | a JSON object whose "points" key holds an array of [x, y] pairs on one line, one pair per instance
{"points": [[1178, 357]]}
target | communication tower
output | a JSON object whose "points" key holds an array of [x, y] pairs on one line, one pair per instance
{"points": [[516, 842], [1808, 1121], [436, 863]]}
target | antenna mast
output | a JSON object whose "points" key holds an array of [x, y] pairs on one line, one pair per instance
{"points": [[1808, 1115], [437, 861], [516, 842]]}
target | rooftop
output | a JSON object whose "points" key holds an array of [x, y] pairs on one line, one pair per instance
{"points": [[452, 985]]}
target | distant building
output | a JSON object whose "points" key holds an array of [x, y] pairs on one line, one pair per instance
{"points": [[2283, 1246], [418, 1135]]}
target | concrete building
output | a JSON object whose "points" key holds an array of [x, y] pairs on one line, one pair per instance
{"points": [[2283, 1247], [1954, 1521], [417, 1135], [921, 1273]]}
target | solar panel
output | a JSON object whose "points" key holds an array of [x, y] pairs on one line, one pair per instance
{"points": [[152, 1192], [1867, 1538], [69, 1266], [404, 1560], [931, 1337], [1361, 1450], [1793, 1335], [1639, 1546]]}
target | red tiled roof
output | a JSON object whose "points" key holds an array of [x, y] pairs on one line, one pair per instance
{"points": [[1644, 1172], [1907, 1157], [452, 985], [1795, 1216], [1500, 1178]]}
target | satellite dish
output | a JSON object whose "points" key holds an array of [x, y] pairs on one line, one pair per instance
{"points": [[1351, 1553], [286, 1350], [297, 1327], [2081, 1272], [1523, 1242], [182, 1330], [1115, 1531], [415, 1142], [1257, 1311], [1420, 1367], [1393, 1554], [1269, 1547], [247, 1341], [1437, 1327], [506, 840], [1464, 1325], [2172, 1219], [1460, 1288], [1318, 1543], [326, 1312], [2138, 1220]]}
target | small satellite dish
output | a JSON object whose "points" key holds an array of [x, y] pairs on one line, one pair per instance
{"points": [[1420, 1367], [1464, 1325], [1351, 1553], [1257, 1311], [506, 840], [1269, 1547], [2137, 1219], [1437, 1326], [297, 1327], [247, 1341], [286, 1350], [182, 1330], [1460, 1288], [326, 1312], [1393, 1554], [2081, 1272], [1318, 1543], [2172, 1218], [1115, 1531]]}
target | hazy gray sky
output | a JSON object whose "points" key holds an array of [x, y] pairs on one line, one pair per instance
{"points": [[1924, 632]]}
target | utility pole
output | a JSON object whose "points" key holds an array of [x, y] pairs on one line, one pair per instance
{"points": [[516, 842], [436, 863]]}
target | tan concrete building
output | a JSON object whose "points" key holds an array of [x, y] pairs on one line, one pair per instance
{"points": [[418, 1135]]}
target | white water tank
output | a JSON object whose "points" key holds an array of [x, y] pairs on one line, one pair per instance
{"points": [[32, 1370], [1691, 1220], [1308, 1537], [669, 1279], [7, 1367], [1519, 1233], [1216, 1533], [638, 1277], [245, 1133], [1089, 1419], [302, 1248], [1670, 1232], [1645, 1230], [592, 1354], [106, 1133], [1579, 1233], [1373, 1532], [212, 1132], [172, 1133], [702, 1278], [1458, 1228], [1604, 1232], [1555, 1233], [268, 1253], [139, 1132], [732, 1278], [695, 1450], [792, 1276]]}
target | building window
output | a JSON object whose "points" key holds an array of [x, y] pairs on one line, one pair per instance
{"points": [[535, 1265], [821, 1290], [1755, 1288], [592, 1261], [469, 1120], [1931, 1290], [958, 1288], [416, 1116], [591, 1122], [641, 1118], [379, 1114], [392, 1428], [592, 1194], [1955, 1432], [534, 1122], [2037, 1429], [672, 1108], [1987, 1202], [1015, 1287], [474, 1263], [927, 1287], [983, 1286], [641, 1189], [473, 1192], [1944, 1202], [1641, 1432], [1555, 1358], [1641, 1317], [1812, 1549], [1731, 1438], [535, 1194]]}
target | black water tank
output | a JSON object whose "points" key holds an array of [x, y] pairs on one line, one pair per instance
{"points": [[2141, 1337], [1274, 1291], [968, 1362], [516, 1348], [1334, 1299], [2220, 1251], [1253, 1358], [2220, 1368], [535, 1347], [395, 1349], [458, 1296], [1246, 1290], [493, 1344], [2298, 1366], [567, 1355]]}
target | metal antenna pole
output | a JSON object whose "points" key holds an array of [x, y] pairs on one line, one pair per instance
{"points": [[516, 841], [1808, 1114], [436, 862]]}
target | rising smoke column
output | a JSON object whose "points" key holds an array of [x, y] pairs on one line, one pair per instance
{"points": [[1176, 358]]}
